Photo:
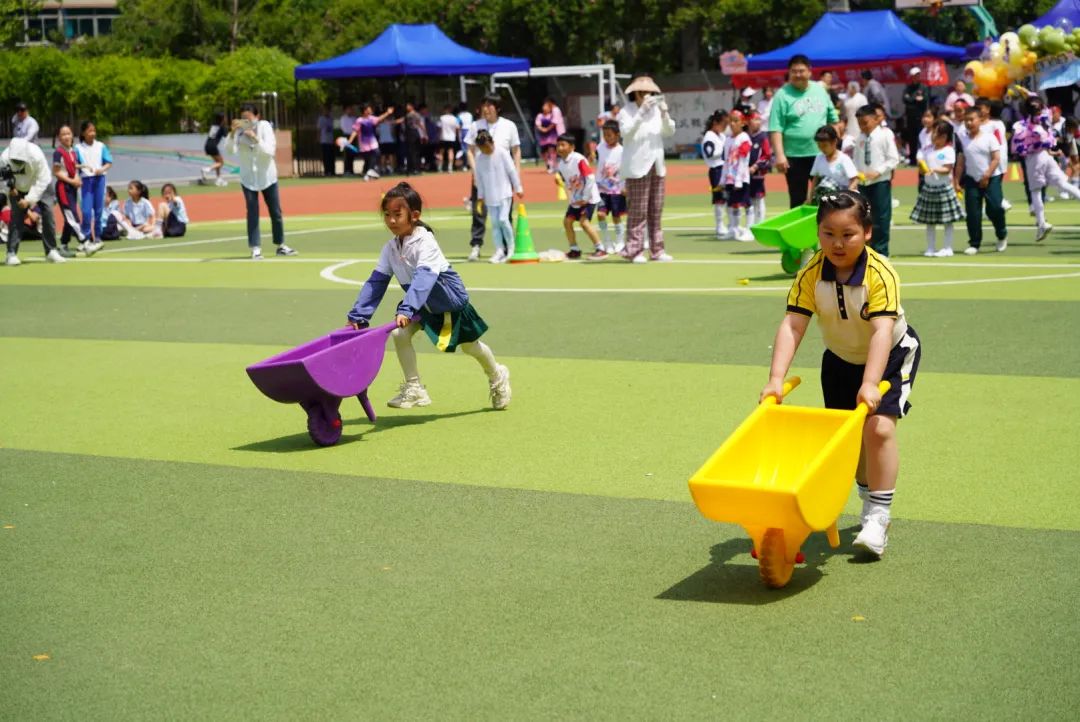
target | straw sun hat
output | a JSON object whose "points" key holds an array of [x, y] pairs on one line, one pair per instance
{"points": [[644, 84]]}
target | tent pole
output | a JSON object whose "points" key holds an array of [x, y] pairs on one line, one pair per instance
{"points": [[461, 88]]}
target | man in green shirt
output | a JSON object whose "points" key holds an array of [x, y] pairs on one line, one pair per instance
{"points": [[799, 109]]}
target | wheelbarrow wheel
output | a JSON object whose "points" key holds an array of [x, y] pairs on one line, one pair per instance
{"points": [[773, 565], [324, 428], [791, 260]]}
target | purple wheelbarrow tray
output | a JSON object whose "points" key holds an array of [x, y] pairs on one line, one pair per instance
{"points": [[320, 373]]}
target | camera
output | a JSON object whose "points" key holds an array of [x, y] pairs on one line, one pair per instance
{"points": [[7, 175]]}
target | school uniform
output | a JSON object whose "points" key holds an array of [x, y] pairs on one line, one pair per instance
{"points": [[937, 203], [580, 182], [176, 220], [713, 147], [737, 171], [877, 152], [433, 291], [67, 194], [844, 311], [834, 175], [760, 163], [609, 183], [94, 157]]}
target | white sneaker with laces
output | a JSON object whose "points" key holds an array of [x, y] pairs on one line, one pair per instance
{"points": [[256, 254], [663, 257], [874, 536], [221, 182], [474, 254], [970, 251], [81, 246], [55, 257], [1043, 232], [500, 388], [640, 258], [410, 394], [929, 253], [724, 234], [1005, 205], [944, 253], [12, 260], [618, 248], [91, 247], [743, 235], [284, 250], [498, 257], [1002, 245]]}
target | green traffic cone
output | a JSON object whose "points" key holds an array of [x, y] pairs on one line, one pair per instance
{"points": [[523, 242]]}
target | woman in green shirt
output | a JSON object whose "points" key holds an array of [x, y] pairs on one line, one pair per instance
{"points": [[798, 110]]}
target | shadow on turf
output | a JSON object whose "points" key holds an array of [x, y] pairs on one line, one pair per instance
{"points": [[722, 582], [303, 442]]}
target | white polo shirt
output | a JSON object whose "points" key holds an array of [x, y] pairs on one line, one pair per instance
{"points": [[844, 310]]}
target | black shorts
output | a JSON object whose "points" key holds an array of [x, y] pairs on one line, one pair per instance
{"points": [[840, 380], [717, 185], [613, 204], [738, 197], [576, 212], [757, 187], [211, 148]]}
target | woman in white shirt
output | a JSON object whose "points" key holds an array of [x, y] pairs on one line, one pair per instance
{"points": [[644, 123], [253, 139], [855, 100]]}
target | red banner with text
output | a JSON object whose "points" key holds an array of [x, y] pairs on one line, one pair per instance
{"points": [[889, 71]]}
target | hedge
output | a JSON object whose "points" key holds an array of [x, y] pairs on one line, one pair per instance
{"points": [[133, 95]]}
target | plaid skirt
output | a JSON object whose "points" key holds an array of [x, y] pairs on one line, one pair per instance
{"points": [[937, 205]]}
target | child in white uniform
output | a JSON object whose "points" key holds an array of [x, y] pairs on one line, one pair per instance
{"points": [[938, 203], [497, 182], [832, 170], [713, 146], [611, 186]]}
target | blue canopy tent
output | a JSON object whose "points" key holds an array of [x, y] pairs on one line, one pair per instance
{"points": [[1068, 9], [410, 50], [855, 41]]}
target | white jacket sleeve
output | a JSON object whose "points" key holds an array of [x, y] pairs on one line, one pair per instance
{"points": [[511, 171], [267, 141], [42, 176]]}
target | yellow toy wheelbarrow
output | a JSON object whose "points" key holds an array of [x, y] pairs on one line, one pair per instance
{"points": [[785, 472]]}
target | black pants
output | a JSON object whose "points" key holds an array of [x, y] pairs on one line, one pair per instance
{"points": [[273, 206], [18, 222], [329, 161], [412, 152], [798, 179], [911, 136], [479, 219], [371, 161]]}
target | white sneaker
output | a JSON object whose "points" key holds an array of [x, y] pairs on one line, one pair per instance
{"points": [[929, 253], [256, 254], [81, 247], [410, 394], [372, 174], [662, 257], [618, 248], [1005, 205], [724, 234], [500, 388], [474, 254], [970, 251], [874, 536], [640, 258], [221, 182], [55, 257], [944, 253], [1043, 232], [498, 257], [743, 235], [468, 204], [1002, 245], [91, 248], [284, 250], [12, 260]]}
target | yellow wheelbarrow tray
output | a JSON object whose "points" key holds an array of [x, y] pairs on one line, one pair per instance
{"points": [[785, 471]]}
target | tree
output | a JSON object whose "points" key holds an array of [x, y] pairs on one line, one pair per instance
{"points": [[12, 13]]}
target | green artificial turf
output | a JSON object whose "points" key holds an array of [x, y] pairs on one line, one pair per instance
{"points": [[175, 544], [184, 591]]}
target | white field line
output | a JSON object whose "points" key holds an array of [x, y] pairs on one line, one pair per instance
{"points": [[330, 274]]}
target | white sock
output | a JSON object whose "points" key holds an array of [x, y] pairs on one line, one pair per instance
{"points": [[620, 234], [948, 236], [881, 501], [719, 209], [734, 218], [759, 206], [604, 234], [483, 355], [931, 238], [730, 218], [405, 352]]}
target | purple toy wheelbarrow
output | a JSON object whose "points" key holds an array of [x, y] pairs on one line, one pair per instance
{"points": [[320, 373]]}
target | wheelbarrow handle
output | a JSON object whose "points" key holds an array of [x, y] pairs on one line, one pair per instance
{"points": [[790, 385], [883, 387]]}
